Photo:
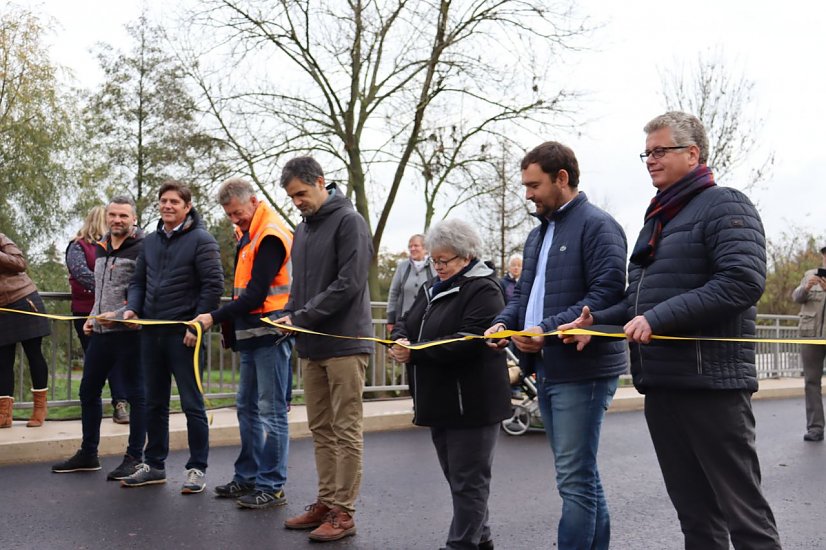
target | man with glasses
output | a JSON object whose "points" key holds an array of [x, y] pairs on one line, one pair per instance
{"points": [[698, 268], [575, 257], [331, 257]]}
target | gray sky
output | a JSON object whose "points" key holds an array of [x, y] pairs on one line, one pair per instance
{"points": [[776, 45]]}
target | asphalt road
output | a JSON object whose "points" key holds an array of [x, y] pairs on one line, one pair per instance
{"points": [[404, 501]]}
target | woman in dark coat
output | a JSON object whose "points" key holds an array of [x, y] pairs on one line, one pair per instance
{"points": [[18, 292], [460, 390]]}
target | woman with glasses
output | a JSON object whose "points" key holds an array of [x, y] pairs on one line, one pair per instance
{"points": [[460, 390]]}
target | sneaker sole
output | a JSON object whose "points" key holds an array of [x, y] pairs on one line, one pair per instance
{"points": [[188, 491], [69, 471], [272, 504], [142, 484], [110, 477], [346, 533]]}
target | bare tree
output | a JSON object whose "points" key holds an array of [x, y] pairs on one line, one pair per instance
{"points": [[723, 98], [360, 83]]}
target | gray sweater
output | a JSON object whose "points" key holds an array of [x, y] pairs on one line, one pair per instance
{"points": [[113, 272], [405, 286]]}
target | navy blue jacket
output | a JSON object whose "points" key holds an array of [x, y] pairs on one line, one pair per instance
{"points": [[708, 272], [586, 266], [177, 277]]}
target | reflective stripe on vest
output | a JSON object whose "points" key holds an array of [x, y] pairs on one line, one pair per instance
{"points": [[265, 222]]}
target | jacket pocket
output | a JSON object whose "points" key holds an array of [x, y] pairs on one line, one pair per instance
{"points": [[808, 324]]}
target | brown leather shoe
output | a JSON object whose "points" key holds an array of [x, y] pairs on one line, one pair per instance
{"points": [[337, 525], [312, 517]]}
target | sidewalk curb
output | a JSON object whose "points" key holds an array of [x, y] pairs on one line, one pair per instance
{"points": [[60, 439]]}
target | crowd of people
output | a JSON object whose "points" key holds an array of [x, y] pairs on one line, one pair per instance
{"points": [[698, 267]]}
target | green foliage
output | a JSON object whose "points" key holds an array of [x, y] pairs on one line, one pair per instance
{"points": [[789, 256], [143, 122], [35, 132], [387, 262]]}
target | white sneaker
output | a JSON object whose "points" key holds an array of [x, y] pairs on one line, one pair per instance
{"points": [[195, 481]]}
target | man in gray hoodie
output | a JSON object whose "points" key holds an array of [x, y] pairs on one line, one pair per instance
{"points": [[331, 257]]}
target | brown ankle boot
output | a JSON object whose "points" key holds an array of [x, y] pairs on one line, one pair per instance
{"points": [[39, 411], [337, 525], [311, 518], [6, 411]]}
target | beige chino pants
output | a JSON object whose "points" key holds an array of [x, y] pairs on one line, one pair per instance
{"points": [[332, 390]]}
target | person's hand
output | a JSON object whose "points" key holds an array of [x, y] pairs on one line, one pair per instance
{"points": [[584, 320], [822, 282], [103, 319], [638, 330], [812, 281], [530, 344], [190, 338], [129, 314], [496, 344], [205, 319], [88, 327], [284, 321], [399, 353]]}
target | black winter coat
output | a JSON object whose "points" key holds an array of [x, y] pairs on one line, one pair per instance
{"points": [[463, 384], [708, 272], [178, 277]]}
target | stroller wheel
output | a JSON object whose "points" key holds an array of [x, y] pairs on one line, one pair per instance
{"points": [[519, 422]]}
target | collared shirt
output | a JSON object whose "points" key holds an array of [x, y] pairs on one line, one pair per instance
{"points": [[535, 311], [174, 229]]}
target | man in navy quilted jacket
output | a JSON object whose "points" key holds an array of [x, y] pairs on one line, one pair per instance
{"points": [[698, 269], [575, 257]]}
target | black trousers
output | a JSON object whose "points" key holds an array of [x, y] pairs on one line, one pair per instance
{"points": [[466, 458], [705, 444]]}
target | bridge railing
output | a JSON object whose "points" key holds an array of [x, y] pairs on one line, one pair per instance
{"points": [[385, 378]]}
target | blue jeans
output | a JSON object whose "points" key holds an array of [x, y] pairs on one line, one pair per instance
{"points": [[163, 355], [105, 353], [262, 416], [573, 413]]}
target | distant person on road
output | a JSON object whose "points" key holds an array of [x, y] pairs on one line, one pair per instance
{"points": [[261, 288], [112, 345], [410, 275], [698, 268], [80, 261], [811, 294], [460, 390], [178, 276], [17, 291], [576, 256], [511, 277], [331, 257]]}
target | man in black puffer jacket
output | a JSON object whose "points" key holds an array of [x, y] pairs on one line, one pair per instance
{"points": [[698, 268], [177, 277]]}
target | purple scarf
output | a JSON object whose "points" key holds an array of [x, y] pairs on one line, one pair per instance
{"points": [[666, 205]]}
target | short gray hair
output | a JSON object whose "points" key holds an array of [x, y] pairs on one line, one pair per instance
{"points": [[456, 235], [306, 169], [686, 129], [513, 257], [234, 188], [125, 199]]}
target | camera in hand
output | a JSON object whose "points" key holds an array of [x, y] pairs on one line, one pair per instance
{"points": [[821, 272]]}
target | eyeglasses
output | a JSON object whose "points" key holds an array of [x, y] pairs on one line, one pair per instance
{"points": [[659, 152], [443, 263]]}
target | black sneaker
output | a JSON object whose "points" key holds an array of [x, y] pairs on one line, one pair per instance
{"points": [[233, 489], [144, 475], [813, 435], [126, 469], [80, 462], [262, 499]]}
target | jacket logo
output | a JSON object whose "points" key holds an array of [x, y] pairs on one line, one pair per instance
{"points": [[563, 248]]}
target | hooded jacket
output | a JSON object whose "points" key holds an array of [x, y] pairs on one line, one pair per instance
{"points": [[177, 277], [114, 269], [331, 257], [462, 384]]}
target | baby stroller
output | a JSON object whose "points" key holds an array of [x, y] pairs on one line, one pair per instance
{"points": [[526, 415]]}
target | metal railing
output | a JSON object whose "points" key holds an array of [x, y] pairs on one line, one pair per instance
{"points": [[385, 378]]}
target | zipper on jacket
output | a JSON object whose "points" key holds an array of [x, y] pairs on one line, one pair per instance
{"points": [[636, 312], [699, 357], [461, 405]]}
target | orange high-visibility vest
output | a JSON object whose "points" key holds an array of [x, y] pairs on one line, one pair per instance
{"points": [[265, 222]]}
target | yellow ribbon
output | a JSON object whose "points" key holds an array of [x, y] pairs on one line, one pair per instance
{"points": [[150, 322]]}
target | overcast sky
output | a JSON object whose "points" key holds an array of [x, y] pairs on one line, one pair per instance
{"points": [[779, 46]]}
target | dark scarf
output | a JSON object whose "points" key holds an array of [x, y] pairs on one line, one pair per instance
{"points": [[666, 205], [440, 286]]}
